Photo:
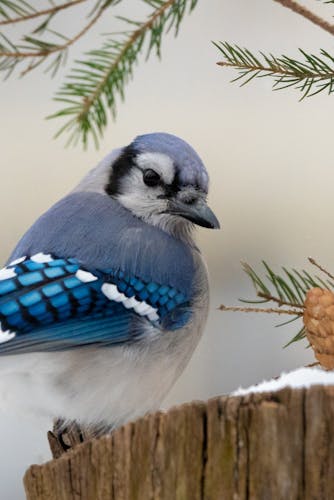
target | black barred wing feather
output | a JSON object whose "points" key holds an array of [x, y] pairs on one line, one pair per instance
{"points": [[49, 303]]}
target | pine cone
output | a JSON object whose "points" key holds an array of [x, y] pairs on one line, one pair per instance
{"points": [[319, 323]]}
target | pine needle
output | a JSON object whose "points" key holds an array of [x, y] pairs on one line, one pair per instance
{"points": [[96, 84], [310, 75], [287, 288]]}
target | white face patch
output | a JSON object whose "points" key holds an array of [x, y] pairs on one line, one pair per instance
{"points": [[150, 203], [160, 163], [143, 201]]}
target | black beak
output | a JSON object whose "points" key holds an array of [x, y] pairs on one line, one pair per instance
{"points": [[197, 212]]}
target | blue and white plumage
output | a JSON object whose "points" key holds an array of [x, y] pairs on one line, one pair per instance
{"points": [[104, 299]]}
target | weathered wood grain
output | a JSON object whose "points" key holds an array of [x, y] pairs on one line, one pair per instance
{"points": [[277, 446]]}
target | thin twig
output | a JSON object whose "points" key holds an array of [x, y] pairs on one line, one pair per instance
{"points": [[51, 10], [135, 35], [260, 310], [57, 48], [311, 365], [258, 68], [277, 70], [279, 301], [303, 11], [322, 269]]}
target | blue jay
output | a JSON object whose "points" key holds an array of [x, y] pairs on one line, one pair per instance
{"points": [[104, 299]]}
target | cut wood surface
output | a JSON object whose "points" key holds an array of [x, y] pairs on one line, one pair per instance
{"points": [[265, 446]]}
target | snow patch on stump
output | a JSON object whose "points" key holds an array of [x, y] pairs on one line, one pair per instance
{"points": [[302, 377]]}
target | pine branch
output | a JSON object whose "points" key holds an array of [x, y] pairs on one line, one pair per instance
{"points": [[287, 289], [222, 307], [303, 11], [16, 7], [26, 16], [43, 49], [310, 76], [270, 298], [316, 264], [35, 50], [95, 83]]}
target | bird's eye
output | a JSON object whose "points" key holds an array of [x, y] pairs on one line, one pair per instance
{"points": [[151, 178]]}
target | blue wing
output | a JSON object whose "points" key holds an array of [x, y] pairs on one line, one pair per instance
{"points": [[49, 303]]}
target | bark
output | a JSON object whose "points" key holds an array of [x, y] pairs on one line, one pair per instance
{"points": [[261, 446]]}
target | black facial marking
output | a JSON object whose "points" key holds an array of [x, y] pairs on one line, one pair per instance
{"points": [[121, 167], [173, 188], [190, 200]]}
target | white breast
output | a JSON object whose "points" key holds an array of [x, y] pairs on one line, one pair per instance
{"points": [[114, 384]]}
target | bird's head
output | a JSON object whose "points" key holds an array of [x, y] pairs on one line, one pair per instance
{"points": [[162, 180]]}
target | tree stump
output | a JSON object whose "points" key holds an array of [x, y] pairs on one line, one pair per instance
{"points": [[267, 446]]}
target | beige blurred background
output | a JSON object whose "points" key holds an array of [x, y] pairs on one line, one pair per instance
{"points": [[269, 156]]}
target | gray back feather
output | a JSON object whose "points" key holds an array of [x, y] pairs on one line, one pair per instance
{"points": [[98, 231]]}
